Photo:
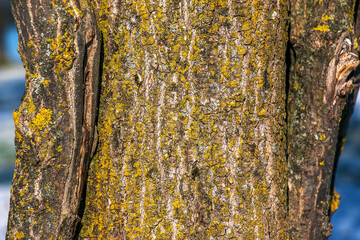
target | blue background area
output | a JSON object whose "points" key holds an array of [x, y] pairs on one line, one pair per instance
{"points": [[346, 219], [11, 40]]}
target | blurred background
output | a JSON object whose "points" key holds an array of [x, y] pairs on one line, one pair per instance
{"points": [[12, 86], [346, 219]]}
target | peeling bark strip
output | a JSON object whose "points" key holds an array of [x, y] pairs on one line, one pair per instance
{"points": [[84, 99], [56, 122]]}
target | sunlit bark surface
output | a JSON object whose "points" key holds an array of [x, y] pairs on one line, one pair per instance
{"points": [[191, 122], [178, 119]]}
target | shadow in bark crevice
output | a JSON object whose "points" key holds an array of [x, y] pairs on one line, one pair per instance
{"points": [[83, 197], [290, 57]]}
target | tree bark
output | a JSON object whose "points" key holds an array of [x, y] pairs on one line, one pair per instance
{"points": [[191, 122], [55, 124], [179, 119], [321, 84]]}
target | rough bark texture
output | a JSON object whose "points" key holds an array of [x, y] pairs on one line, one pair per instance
{"points": [[191, 122], [321, 81], [192, 127], [55, 124]]}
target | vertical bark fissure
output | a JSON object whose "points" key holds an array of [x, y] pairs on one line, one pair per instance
{"points": [[144, 82], [288, 60], [84, 100], [158, 132], [234, 153]]}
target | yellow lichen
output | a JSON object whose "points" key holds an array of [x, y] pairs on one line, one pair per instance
{"points": [[30, 43], [30, 107], [356, 44], [322, 28], [19, 235], [59, 148], [335, 202], [343, 140], [322, 137], [42, 119], [262, 113], [326, 18]]}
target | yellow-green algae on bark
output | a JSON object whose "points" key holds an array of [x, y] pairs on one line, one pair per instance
{"points": [[191, 122]]}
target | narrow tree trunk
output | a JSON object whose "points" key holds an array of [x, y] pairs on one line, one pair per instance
{"points": [[55, 124], [321, 84]]}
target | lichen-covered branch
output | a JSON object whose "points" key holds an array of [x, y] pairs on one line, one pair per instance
{"points": [[55, 124]]}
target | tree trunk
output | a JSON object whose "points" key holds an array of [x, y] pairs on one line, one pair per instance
{"points": [[168, 120], [321, 84]]}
